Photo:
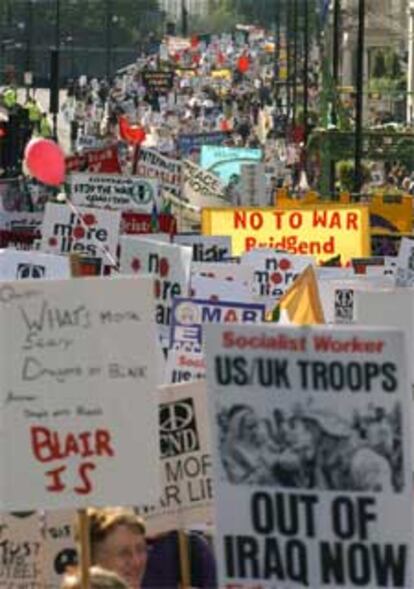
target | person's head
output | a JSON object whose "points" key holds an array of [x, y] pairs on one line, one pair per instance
{"points": [[117, 540], [99, 579]]}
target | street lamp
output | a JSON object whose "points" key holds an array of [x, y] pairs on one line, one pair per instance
{"points": [[359, 97]]}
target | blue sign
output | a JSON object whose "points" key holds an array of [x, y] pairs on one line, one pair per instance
{"points": [[226, 162], [191, 143]]}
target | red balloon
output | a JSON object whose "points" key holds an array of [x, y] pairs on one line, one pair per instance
{"points": [[45, 161], [195, 41], [243, 64], [131, 133]]}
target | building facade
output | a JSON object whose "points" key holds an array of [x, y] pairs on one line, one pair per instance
{"points": [[173, 8]]}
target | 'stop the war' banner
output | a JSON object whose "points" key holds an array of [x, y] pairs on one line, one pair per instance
{"points": [[311, 457], [318, 231]]}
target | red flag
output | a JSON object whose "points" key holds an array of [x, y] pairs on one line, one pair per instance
{"points": [[131, 133]]}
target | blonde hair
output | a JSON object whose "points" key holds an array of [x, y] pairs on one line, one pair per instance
{"points": [[99, 579], [103, 521]]}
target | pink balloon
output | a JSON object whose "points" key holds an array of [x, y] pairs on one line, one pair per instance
{"points": [[45, 161]]}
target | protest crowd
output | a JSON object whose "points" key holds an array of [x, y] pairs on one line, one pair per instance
{"points": [[207, 375]]}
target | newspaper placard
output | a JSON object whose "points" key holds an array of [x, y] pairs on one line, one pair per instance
{"points": [[201, 188], [312, 457], [166, 170], [28, 265], [185, 461], [139, 223], [84, 231], [169, 263], [206, 248], [114, 191], [184, 366], [100, 161], [77, 350]]}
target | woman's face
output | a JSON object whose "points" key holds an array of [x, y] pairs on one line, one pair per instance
{"points": [[124, 551]]}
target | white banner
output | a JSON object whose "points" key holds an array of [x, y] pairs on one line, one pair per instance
{"points": [[202, 188], [71, 374], [23, 265], [126, 193], [206, 248], [166, 170], [312, 457]]}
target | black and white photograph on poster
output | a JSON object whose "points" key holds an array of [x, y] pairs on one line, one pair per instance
{"points": [[344, 305], [311, 447], [311, 456]]}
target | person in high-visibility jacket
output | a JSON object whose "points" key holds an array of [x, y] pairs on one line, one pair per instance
{"points": [[35, 113], [45, 127], [10, 97]]}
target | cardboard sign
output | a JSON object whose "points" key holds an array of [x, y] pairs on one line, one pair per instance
{"points": [[253, 185], [138, 223], [22, 551], [100, 161], [86, 231], [206, 248], [60, 550], [323, 233], [185, 461], [169, 263], [158, 80], [114, 191], [202, 188], [216, 289], [12, 196], [166, 170], [271, 274], [189, 316], [226, 162], [312, 457], [77, 349], [21, 265], [184, 366], [405, 263], [192, 143]]}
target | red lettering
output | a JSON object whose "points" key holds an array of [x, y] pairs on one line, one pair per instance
{"points": [[250, 243], [352, 221], [57, 485], [278, 219], [295, 220], [71, 446], [86, 487], [45, 444], [84, 439], [103, 440], [239, 219], [256, 220]]}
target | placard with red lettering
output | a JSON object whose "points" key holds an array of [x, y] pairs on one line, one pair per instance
{"points": [[84, 231], [78, 379], [169, 263], [184, 461], [311, 454]]}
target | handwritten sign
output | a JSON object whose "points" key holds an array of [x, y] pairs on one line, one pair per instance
{"points": [[74, 366], [318, 231], [153, 165], [114, 191]]}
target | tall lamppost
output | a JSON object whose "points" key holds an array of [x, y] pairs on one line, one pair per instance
{"points": [[359, 97]]}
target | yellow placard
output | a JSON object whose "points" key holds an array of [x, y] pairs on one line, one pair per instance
{"points": [[223, 74], [321, 231], [388, 213]]}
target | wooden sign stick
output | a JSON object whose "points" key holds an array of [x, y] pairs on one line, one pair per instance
{"points": [[184, 550], [85, 552]]}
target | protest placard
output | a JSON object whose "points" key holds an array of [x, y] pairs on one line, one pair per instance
{"points": [[226, 162], [59, 546], [189, 143], [323, 232], [272, 273], [13, 196], [77, 350], [311, 456], [166, 170], [114, 191], [83, 231], [202, 188], [405, 263], [21, 551], [184, 366], [189, 316], [23, 265], [139, 223], [169, 263], [184, 461], [206, 248], [158, 80], [100, 161], [253, 186]]}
